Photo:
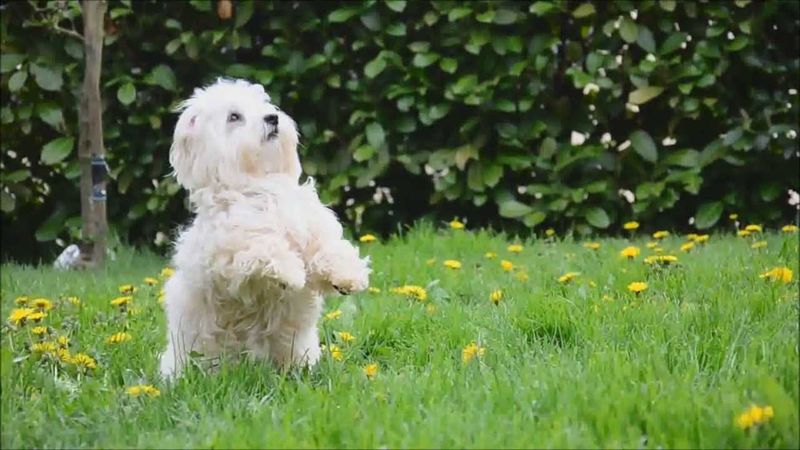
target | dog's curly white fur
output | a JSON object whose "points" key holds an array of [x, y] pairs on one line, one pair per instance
{"points": [[262, 250]]}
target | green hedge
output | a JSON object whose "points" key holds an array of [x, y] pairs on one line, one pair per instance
{"points": [[492, 111]]}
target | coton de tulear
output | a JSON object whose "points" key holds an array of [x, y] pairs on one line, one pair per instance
{"points": [[252, 268]]}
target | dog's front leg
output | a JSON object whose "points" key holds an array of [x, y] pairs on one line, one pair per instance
{"points": [[258, 258], [339, 263]]}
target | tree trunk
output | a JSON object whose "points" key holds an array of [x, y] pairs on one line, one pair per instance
{"points": [[90, 145]]}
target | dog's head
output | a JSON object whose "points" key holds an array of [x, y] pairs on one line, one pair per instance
{"points": [[230, 131]]}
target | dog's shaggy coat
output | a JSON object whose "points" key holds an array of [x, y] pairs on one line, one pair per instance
{"points": [[252, 268]]}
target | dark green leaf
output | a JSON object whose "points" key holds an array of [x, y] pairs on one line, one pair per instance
{"points": [[244, 11], [541, 8], [396, 5], [448, 65], [57, 150], [505, 17], [10, 61], [126, 93], [375, 134], [163, 76], [47, 78], [597, 217], [643, 145], [375, 67], [584, 10], [643, 95], [707, 215], [16, 81], [50, 114], [513, 209], [342, 15], [628, 30], [645, 40], [424, 59]]}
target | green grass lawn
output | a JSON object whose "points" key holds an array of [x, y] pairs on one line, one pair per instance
{"points": [[583, 363]]}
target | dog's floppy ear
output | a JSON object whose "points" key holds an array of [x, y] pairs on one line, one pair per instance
{"points": [[184, 155], [289, 138]]}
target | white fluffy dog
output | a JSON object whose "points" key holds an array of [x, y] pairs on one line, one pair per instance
{"points": [[262, 250]]}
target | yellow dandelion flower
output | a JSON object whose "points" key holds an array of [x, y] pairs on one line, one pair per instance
{"points": [[521, 276], [84, 360], [43, 347], [744, 420], [374, 290], [691, 236], [687, 246], [630, 252], [334, 350], [167, 272], [783, 274], [161, 297], [37, 316], [335, 314], [118, 338], [63, 341], [514, 248], [592, 245], [64, 355], [21, 301], [549, 232], [701, 238], [456, 225], [507, 265], [743, 233], [733, 216], [490, 255], [759, 244], [344, 336], [789, 229], [411, 290], [496, 296], [472, 350], [637, 287], [757, 414], [20, 315], [567, 277], [150, 281], [43, 304], [122, 301], [143, 389], [632, 225], [754, 228], [370, 370], [40, 331], [75, 301], [127, 289], [452, 264], [661, 259], [367, 238], [660, 234], [754, 415], [652, 245]]}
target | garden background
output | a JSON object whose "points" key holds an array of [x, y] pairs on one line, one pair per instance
{"points": [[516, 115]]}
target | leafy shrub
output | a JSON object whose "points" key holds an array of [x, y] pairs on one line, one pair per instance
{"points": [[511, 114]]}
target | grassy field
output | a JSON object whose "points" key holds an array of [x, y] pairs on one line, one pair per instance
{"points": [[583, 362]]}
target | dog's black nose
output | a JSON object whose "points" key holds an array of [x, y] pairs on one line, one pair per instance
{"points": [[271, 119]]}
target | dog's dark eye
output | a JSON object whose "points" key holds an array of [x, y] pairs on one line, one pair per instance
{"points": [[234, 117]]}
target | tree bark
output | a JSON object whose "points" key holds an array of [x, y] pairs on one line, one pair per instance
{"points": [[93, 192]]}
